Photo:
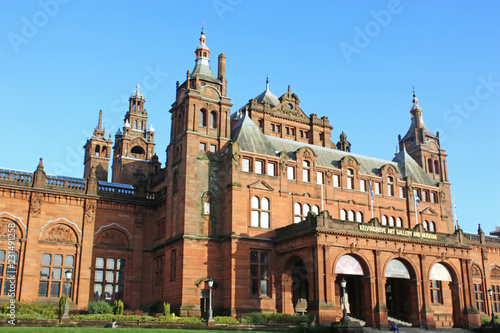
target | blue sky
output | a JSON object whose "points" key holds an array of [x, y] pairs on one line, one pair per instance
{"points": [[353, 61]]}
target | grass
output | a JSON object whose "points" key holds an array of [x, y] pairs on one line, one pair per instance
{"points": [[15, 329]]}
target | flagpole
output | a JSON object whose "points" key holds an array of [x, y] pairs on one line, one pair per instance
{"points": [[371, 198], [415, 205]]}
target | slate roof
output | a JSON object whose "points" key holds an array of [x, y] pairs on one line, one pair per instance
{"points": [[251, 139], [411, 130], [204, 71]]}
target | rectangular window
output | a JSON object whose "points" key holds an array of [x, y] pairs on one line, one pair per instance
{"points": [[290, 172], [433, 197], [213, 148], [245, 165], [158, 271], [479, 297], [259, 279], [53, 270], [336, 181], [319, 177], [424, 195], [305, 175], [271, 169], [362, 185], [350, 183], [258, 167], [173, 265], [401, 192], [203, 146], [8, 268], [377, 188], [436, 292], [109, 278], [496, 298]]}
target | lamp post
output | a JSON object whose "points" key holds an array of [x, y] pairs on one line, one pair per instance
{"points": [[493, 320], [343, 284], [67, 274], [211, 320]]}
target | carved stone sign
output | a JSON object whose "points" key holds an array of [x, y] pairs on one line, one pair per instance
{"points": [[397, 232]]}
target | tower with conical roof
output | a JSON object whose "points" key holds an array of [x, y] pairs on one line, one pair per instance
{"points": [[97, 153], [134, 147], [423, 146]]}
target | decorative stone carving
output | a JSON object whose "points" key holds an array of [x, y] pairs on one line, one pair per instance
{"points": [[475, 270], [485, 253], [4, 228], [307, 154], [112, 237], [90, 206], [36, 204], [495, 272], [60, 233]]}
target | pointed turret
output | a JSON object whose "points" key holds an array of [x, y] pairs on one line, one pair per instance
{"points": [[97, 152], [202, 68], [268, 97]]}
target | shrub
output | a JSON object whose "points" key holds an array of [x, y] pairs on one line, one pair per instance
{"points": [[166, 309], [62, 302], [275, 318], [226, 320], [37, 310], [101, 307], [118, 308]]}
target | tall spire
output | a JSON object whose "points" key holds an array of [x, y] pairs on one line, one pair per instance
{"points": [[267, 82], [99, 124]]}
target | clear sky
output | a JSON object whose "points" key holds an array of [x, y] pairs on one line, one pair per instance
{"points": [[353, 61]]}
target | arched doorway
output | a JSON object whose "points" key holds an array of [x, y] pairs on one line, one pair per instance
{"points": [[357, 292], [444, 295], [299, 283], [401, 292]]}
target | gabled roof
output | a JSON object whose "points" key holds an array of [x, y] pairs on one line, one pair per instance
{"points": [[409, 167]]}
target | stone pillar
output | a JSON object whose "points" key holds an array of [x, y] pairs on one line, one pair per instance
{"points": [[427, 312], [380, 310]]}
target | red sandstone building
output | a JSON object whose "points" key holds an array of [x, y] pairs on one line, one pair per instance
{"points": [[259, 200]]}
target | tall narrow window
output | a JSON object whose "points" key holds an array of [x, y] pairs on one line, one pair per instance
{"points": [[306, 210], [319, 177], [377, 188], [245, 165], [496, 298], [336, 181], [436, 291], [290, 173], [390, 186], [259, 279], [305, 171], [297, 211], [315, 209], [432, 227], [109, 278], [391, 221], [359, 217], [52, 278], [259, 166], [350, 179], [429, 166], [203, 118], [401, 192], [158, 271], [479, 297], [436, 167], [399, 222], [271, 169], [213, 119], [425, 224], [350, 216], [8, 268], [173, 265], [362, 185], [343, 215], [384, 220], [260, 212]]}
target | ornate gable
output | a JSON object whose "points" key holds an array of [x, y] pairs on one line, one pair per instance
{"points": [[261, 185]]}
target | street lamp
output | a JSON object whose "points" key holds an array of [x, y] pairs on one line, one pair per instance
{"points": [[343, 284], [68, 273], [493, 320], [211, 320]]}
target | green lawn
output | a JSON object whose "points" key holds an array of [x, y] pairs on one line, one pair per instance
{"points": [[104, 330]]}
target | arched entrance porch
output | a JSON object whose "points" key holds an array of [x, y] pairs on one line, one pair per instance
{"points": [[294, 286], [444, 295]]}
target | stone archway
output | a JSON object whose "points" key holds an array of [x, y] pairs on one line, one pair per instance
{"points": [[444, 295], [294, 285], [401, 291]]}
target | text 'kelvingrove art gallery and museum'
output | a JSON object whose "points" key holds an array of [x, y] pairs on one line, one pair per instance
{"points": [[257, 199]]}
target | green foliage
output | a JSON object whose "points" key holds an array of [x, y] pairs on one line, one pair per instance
{"points": [[37, 310], [101, 307], [118, 308], [62, 302], [166, 309], [485, 319], [226, 320], [275, 318]]}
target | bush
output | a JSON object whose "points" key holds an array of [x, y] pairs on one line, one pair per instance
{"points": [[62, 302], [166, 309], [275, 318], [226, 320], [37, 310], [118, 308], [99, 307]]}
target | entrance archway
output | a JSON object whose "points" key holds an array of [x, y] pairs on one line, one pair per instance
{"points": [[444, 291], [357, 293], [299, 283], [401, 292]]}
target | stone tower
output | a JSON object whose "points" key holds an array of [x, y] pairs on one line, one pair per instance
{"points": [[134, 147], [97, 153]]}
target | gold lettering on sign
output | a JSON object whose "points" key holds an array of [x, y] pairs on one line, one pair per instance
{"points": [[397, 232]]}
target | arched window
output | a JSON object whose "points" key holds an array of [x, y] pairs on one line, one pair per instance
{"points": [[305, 170], [391, 221], [315, 209], [140, 125], [390, 186], [359, 217], [351, 215], [399, 222], [343, 215], [432, 227], [297, 210], [429, 165], [97, 150], [350, 179], [203, 118], [135, 124], [136, 151], [213, 119], [425, 225], [384, 220], [104, 152], [306, 210], [436, 167], [260, 212]]}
